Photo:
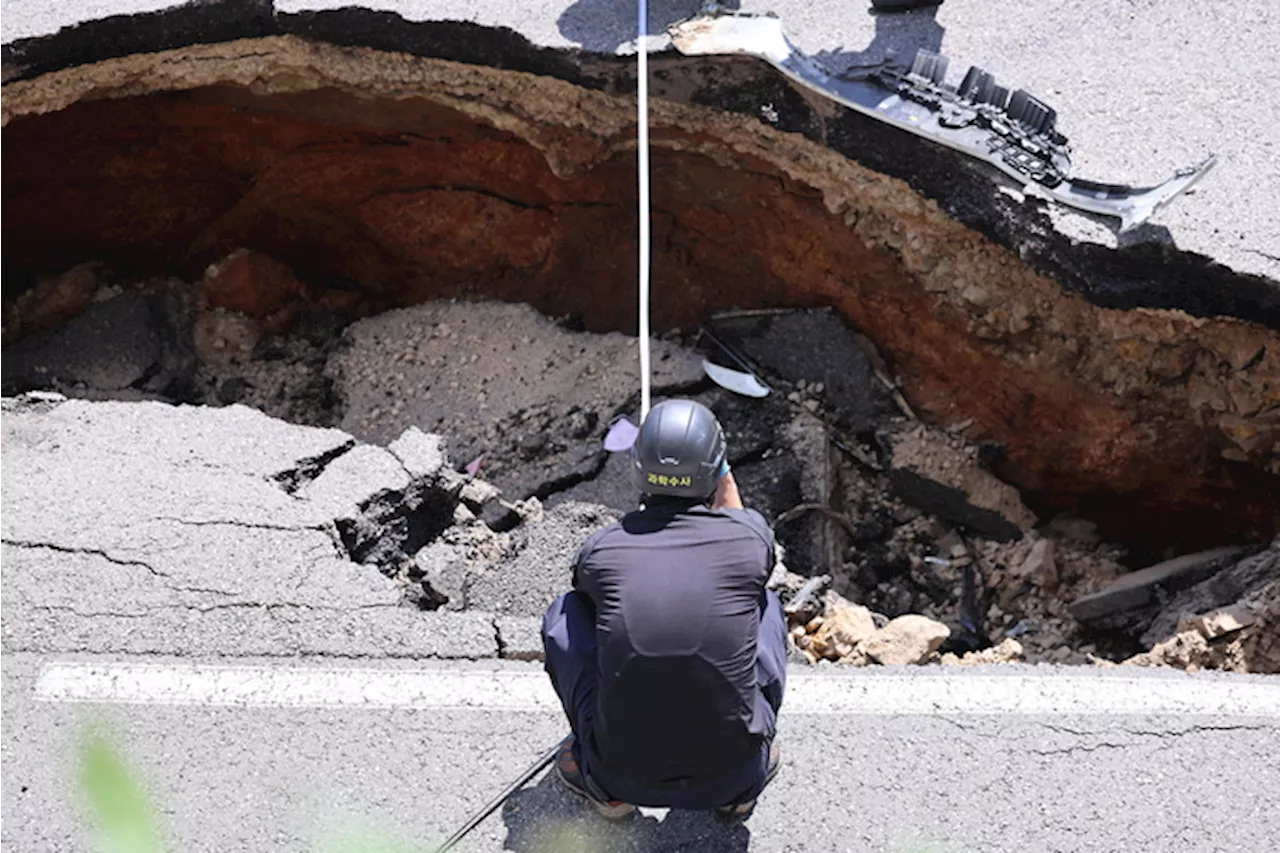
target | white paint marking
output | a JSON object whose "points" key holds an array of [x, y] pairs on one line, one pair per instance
{"points": [[444, 689]]}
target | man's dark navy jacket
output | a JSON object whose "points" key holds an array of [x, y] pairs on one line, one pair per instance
{"points": [[681, 713]]}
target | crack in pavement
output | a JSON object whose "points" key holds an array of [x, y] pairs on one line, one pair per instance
{"points": [[63, 549], [1166, 738], [214, 522], [308, 469]]}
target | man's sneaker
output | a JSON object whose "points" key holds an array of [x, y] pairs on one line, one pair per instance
{"points": [[573, 778], [738, 812]]}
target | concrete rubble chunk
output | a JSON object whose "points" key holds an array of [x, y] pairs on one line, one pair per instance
{"points": [[1219, 623], [355, 478], [905, 640], [1007, 650], [844, 625], [1188, 650], [422, 454], [1039, 566], [1136, 588], [477, 493], [111, 346]]}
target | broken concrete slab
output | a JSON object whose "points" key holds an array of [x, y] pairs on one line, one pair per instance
{"points": [[423, 455], [939, 473], [150, 528], [355, 479], [1226, 588], [1137, 588]]}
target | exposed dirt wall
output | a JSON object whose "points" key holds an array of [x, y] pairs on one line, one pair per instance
{"points": [[384, 179]]}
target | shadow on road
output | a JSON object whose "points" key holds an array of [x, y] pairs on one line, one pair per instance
{"points": [[548, 819], [898, 36], [604, 25]]}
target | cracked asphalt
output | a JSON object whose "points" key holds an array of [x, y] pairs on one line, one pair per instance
{"points": [[158, 535]]}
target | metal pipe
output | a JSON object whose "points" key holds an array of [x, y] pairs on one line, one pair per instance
{"points": [[471, 824]]}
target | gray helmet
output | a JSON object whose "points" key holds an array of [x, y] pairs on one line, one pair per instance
{"points": [[679, 450]]}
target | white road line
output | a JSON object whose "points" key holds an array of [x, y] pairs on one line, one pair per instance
{"points": [[364, 688]]}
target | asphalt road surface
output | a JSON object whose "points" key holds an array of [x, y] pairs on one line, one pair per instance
{"points": [[273, 694], [303, 753], [1142, 87]]}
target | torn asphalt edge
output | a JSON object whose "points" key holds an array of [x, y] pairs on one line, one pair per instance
{"points": [[1141, 275]]}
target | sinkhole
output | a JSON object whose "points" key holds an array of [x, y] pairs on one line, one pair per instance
{"points": [[380, 180]]}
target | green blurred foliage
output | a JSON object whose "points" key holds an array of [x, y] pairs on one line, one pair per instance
{"points": [[121, 817]]}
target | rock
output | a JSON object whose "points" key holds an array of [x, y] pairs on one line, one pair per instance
{"points": [[843, 624], [1188, 650], [1218, 623], [940, 474], [232, 390], [225, 337], [1007, 650], [113, 345], [906, 640], [1137, 588], [477, 493], [52, 302], [1039, 566], [1260, 645], [250, 283]]}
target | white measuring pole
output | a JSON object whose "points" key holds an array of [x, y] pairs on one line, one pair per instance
{"points": [[642, 102]]}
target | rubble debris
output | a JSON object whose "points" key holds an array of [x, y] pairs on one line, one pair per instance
{"points": [[934, 470], [1218, 623], [1137, 588], [808, 602], [908, 639], [1007, 650], [1224, 589], [1188, 651], [1039, 566], [456, 543], [840, 629], [422, 454], [500, 380], [225, 337], [813, 346], [117, 347]]}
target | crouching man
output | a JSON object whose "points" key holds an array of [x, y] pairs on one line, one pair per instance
{"points": [[669, 655]]}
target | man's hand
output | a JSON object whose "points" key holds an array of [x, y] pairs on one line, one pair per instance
{"points": [[727, 496]]}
